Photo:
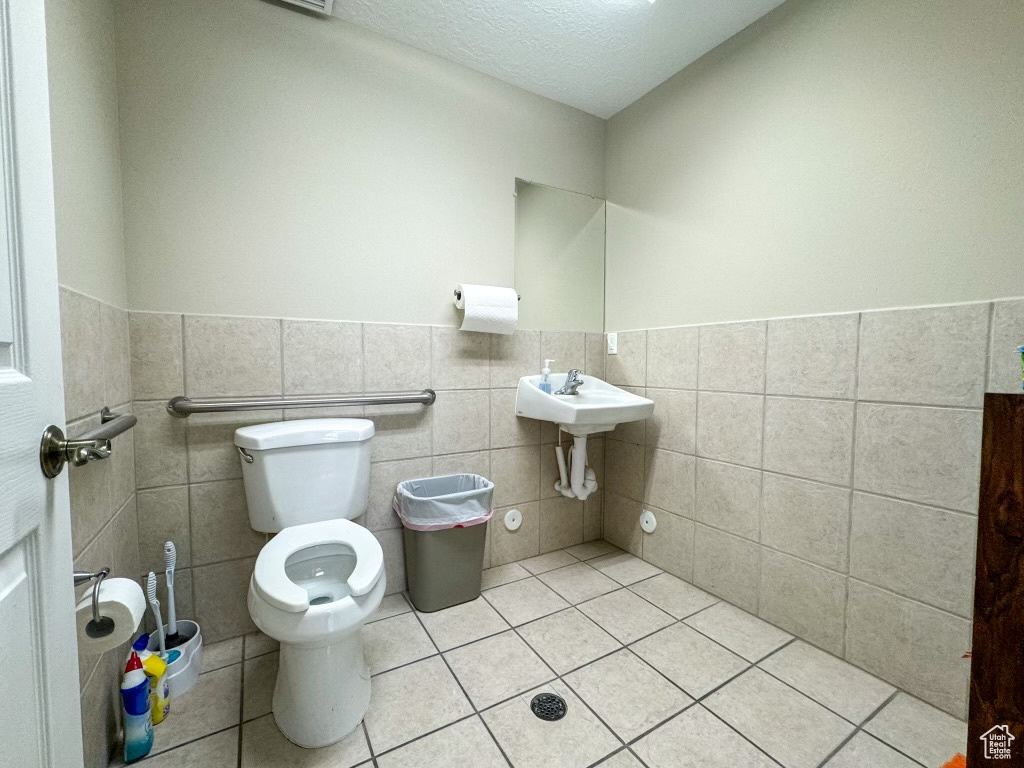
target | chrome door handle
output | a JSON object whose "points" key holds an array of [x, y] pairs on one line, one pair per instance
{"points": [[55, 451]]}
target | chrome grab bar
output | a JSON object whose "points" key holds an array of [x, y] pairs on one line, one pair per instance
{"points": [[182, 406], [55, 450]]}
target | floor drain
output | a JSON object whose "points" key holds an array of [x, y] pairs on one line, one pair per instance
{"points": [[548, 706]]}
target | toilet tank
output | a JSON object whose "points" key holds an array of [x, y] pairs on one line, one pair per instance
{"points": [[305, 471]]}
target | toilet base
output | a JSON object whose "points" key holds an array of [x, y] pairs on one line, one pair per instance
{"points": [[322, 692]]}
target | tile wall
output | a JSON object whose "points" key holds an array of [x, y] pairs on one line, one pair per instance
{"points": [[188, 473], [104, 525], [821, 472]]}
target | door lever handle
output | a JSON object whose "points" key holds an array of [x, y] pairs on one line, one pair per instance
{"points": [[55, 451]]}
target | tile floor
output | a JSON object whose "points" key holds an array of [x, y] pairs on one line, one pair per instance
{"points": [[655, 672]]}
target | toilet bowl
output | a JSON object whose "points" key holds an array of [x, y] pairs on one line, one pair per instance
{"points": [[318, 580], [313, 587]]}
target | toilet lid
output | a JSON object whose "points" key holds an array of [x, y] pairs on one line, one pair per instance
{"points": [[281, 592]]}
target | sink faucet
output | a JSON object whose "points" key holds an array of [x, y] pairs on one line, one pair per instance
{"points": [[572, 383]]}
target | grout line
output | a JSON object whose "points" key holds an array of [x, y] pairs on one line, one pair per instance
{"points": [[853, 485]]}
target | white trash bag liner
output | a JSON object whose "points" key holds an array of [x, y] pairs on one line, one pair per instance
{"points": [[451, 501]]}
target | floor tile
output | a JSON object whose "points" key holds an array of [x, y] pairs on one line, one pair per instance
{"points": [[391, 605], [578, 582], [548, 562], [624, 568], [863, 751], [221, 749], [211, 706], [524, 601], [256, 644], [622, 759], [222, 654], [576, 741], [462, 624], [263, 746], [838, 685], [258, 678], [794, 730], [392, 642], [625, 616], [503, 574], [411, 701], [567, 639], [698, 739], [738, 631], [673, 595], [591, 549], [919, 730], [496, 668], [690, 660], [466, 742], [627, 694]]}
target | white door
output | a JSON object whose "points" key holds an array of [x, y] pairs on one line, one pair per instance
{"points": [[39, 712]]}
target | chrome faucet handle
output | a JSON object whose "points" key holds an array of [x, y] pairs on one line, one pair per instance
{"points": [[572, 383]]}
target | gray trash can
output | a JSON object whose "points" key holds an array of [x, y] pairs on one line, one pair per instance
{"points": [[445, 530]]}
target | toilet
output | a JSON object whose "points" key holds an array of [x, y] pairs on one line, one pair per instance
{"points": [[321, 576]]}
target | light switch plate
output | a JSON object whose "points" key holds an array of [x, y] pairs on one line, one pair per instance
{"points": [[613, 343]]}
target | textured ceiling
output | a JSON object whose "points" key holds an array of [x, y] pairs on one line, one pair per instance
{"points": [[597, 55]]}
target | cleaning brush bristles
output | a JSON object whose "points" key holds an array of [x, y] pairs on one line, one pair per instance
{"points": [[151, 587], [170, 555]]}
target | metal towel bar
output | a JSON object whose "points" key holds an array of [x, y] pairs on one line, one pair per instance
{"points": [[182, 406]]}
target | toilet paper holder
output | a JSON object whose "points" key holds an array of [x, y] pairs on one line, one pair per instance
{"points": [[458, 296], [98, 626]]}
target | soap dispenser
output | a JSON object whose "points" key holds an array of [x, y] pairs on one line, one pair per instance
{"points": [[545, 377]]}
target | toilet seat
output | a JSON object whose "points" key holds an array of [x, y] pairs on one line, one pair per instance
{"points": [[272, 583]]}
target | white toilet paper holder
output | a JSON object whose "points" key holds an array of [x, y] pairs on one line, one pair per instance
{"points": [[458, 296], [98, 626]]}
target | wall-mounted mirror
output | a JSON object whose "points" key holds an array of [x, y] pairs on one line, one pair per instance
{"points": [[559, 259]]}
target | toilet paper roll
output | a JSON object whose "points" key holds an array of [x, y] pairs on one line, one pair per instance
{"points": [[121, 600], [488, 308]]}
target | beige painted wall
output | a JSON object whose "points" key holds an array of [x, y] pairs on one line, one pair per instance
{"points": [[836, 156], [86, 154], [278, 164]]}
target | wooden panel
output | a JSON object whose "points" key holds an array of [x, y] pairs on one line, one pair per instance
{"points": [[997, 666]]}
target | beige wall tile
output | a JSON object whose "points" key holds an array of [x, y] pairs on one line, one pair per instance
{"points": [[117, 379], [909, 644], [89, 487], [462, 421], [674, 423], [513, 357], [1007, 335], [920, 552], [593, 516], [163, 516], [813, 356], [212, 454], [156, 350], [930, 455], [568, 349], [631, 431], [549, 470], [509, 546], [460, 463], [729, 427], [728, 497], [122, 463], [459, 359], [401, 431], [669, 481], [732, 357], [933, 355], [396, 357], [726, 566], [508, 429], [322, 358], [384, 479], [629, 366], [81, 336], [806, 519], [101, 704], [515, 473], [622, 522], [561, 523], [596, 354], [160, 455], [232, 356], [221, 599], [804, 599], [394, 559], [670, 547], [219, 521], [672, 358], [809, 438], [624, 467]]}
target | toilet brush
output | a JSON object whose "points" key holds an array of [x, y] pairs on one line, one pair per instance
{"points": [[155, 605], [170, 559]]}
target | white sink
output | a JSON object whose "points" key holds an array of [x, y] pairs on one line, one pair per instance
{"points": [[596, 407]]}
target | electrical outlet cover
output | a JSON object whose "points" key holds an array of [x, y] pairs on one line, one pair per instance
{"points": [[613, 343]]}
